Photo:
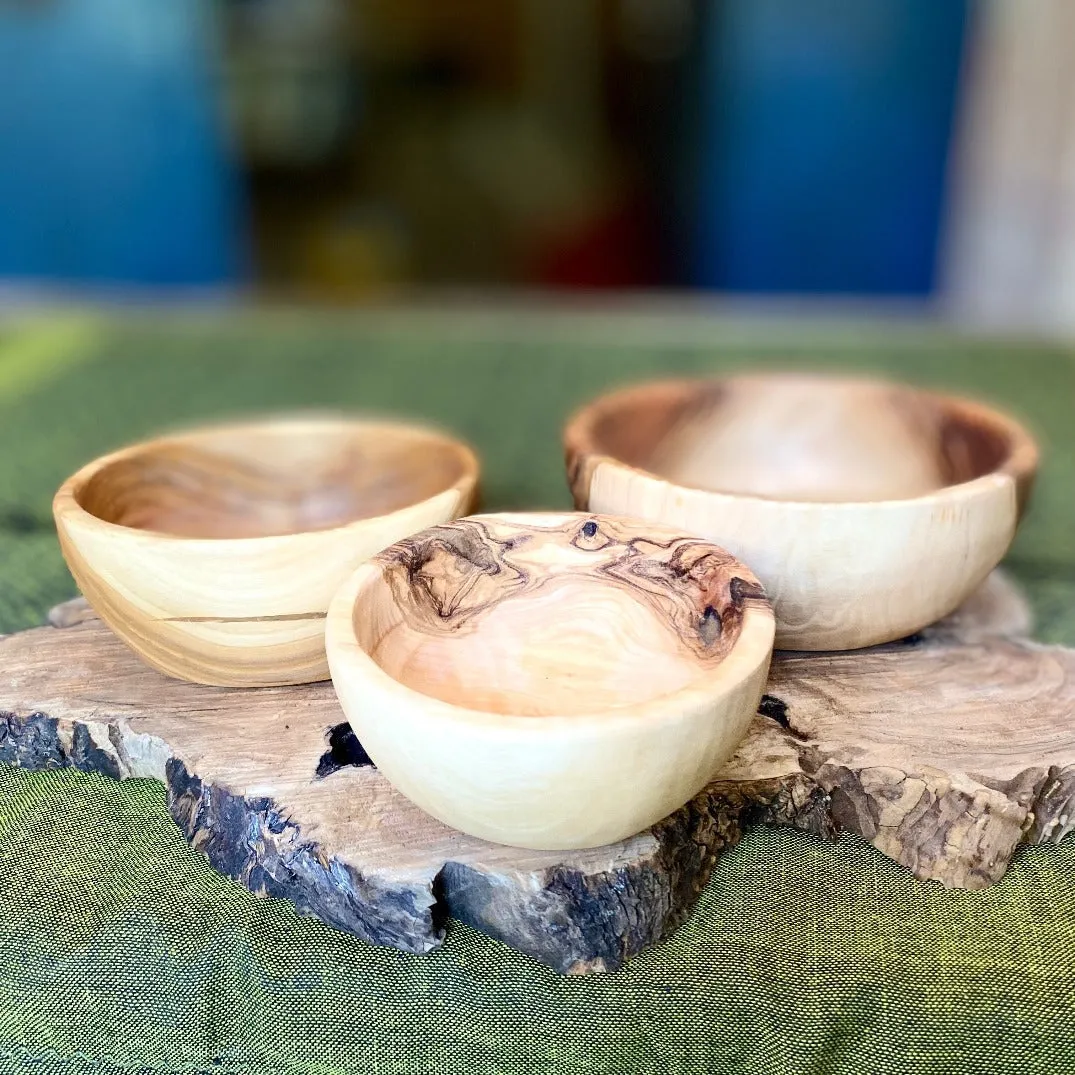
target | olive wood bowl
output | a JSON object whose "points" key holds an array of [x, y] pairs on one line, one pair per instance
{"points": [[550, 681], [214, 553], [869, 510]]}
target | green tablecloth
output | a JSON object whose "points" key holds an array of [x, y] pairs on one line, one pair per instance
{"points": [[120, 950]]}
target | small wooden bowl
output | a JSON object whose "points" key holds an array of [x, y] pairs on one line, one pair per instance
{"points": [[550, 680], [869, 510], [214, 553]]}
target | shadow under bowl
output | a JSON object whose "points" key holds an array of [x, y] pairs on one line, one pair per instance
{"points": [[214, 553], [869, 510], [550, 680]]}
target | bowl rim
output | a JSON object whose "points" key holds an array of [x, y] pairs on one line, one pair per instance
{"points": [[1020, 464], [751, 651], [67, 509]]}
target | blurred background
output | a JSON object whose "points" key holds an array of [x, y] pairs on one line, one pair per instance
{"points": [[338, 150]]}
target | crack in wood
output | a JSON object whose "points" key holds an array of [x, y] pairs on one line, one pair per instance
{"points": [[287, 617], [343, 749]]}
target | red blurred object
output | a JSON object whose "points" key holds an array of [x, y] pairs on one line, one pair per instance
{"points": [[617, 249]]}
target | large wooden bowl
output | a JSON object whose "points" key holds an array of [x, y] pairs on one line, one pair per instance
{"points": [[214, 553], [868, 510], [550, 680]]}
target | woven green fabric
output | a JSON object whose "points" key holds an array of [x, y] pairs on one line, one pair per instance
{"points": [[120, 950]]}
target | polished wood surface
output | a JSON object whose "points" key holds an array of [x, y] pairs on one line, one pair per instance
{"points": [[214, 553], [869, 510], [550, 680]]}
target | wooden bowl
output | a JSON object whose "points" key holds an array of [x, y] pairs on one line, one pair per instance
{"points": [[214, 553], [868, 510], [550, 680]]}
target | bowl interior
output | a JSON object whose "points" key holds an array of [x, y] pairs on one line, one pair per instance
{"points": [[801, 438], [280, 478], [574, 615]]}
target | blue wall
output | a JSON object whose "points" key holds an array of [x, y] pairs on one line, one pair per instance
{"points": [[113, 163], [824, 132]]}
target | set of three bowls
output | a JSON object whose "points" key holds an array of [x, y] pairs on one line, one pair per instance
{"points": [[552, 680]]}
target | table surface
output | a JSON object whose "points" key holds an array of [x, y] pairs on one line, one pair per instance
{"points": [[120, 950]]}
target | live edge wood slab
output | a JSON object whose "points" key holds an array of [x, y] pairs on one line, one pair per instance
{"points": [[946, 751]]}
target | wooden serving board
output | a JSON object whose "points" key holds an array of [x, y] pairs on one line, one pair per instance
{"points": [[946, 751]]}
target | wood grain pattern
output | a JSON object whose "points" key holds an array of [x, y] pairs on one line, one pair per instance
{"points": [[958, 746], [628, 641], [445, 579], [214, 553], [868, 510]]}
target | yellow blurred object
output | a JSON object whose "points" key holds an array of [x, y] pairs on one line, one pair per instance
{"points": [[363, 254]]}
